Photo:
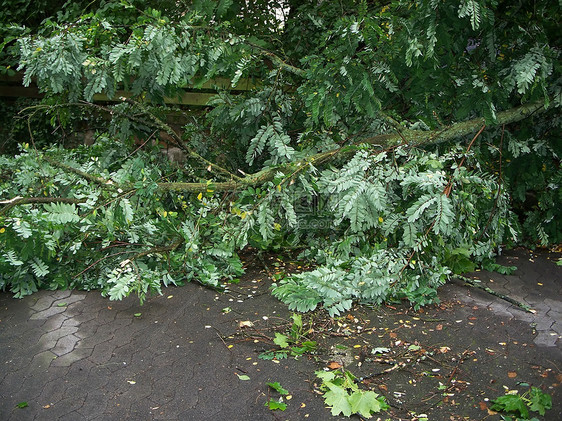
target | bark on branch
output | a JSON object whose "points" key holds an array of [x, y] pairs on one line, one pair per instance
{"points": [[408, 137]]}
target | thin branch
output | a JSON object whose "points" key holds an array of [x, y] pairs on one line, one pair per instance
{"points": [[101, 259], [98, 180], [279, 61], [154, 250], [180, 144], [476, 284], [29, 200], [449, 186]]}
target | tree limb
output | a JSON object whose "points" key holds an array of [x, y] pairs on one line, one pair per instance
{"points": [[98, 180], [279, 61], [411, 138]]}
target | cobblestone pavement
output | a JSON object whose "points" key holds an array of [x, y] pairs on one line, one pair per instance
{"points": [[73, 355], [535, 284]]}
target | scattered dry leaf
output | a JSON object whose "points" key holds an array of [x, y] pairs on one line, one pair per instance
{"points": [[334, 365], [483, 405], [439, 327], [246, 323], [512, 374]]}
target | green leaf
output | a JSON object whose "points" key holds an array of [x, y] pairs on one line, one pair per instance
{"points": [[22, 405], [243, 377], [277, 387], [274, 405], [540, 401], [364, 403], [511, 403], [337, 399], [40, 269], [297, 320], [281, 340]]}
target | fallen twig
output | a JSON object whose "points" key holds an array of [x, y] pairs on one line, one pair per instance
{"points": [[476, 284]]}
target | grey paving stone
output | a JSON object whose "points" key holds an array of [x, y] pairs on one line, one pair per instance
{"points": [[45, 314], [61, 294], [42, 360], [55, 322], [94, 405], [49, 339], [72, 357], [62, 409], [71, 322], [501, 308], [519, 314], [11, 384], [554, 305], [65, 345], [92, 339], [44, 302], [102, 353], [52, 392], [86, 316], [72, 298], [546, 338], [543, 323]]}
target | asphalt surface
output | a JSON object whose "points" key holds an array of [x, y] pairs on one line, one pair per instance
{"points": [[74, 355]]}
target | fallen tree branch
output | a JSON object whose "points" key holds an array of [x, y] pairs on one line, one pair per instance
{"points": [[200, 187], [412, 138], [454, 131]]}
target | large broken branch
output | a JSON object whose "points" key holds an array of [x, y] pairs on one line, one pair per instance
{"points": [[454, 131], [411, 138]]}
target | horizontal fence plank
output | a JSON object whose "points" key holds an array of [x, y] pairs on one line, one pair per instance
{"points": [[20, 91], [185, 98], [198, 94]]}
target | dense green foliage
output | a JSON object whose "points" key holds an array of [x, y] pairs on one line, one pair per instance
{"points": [[382, 143]]}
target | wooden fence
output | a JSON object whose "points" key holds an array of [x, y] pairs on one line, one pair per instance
{"points": [[12, 87]]}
